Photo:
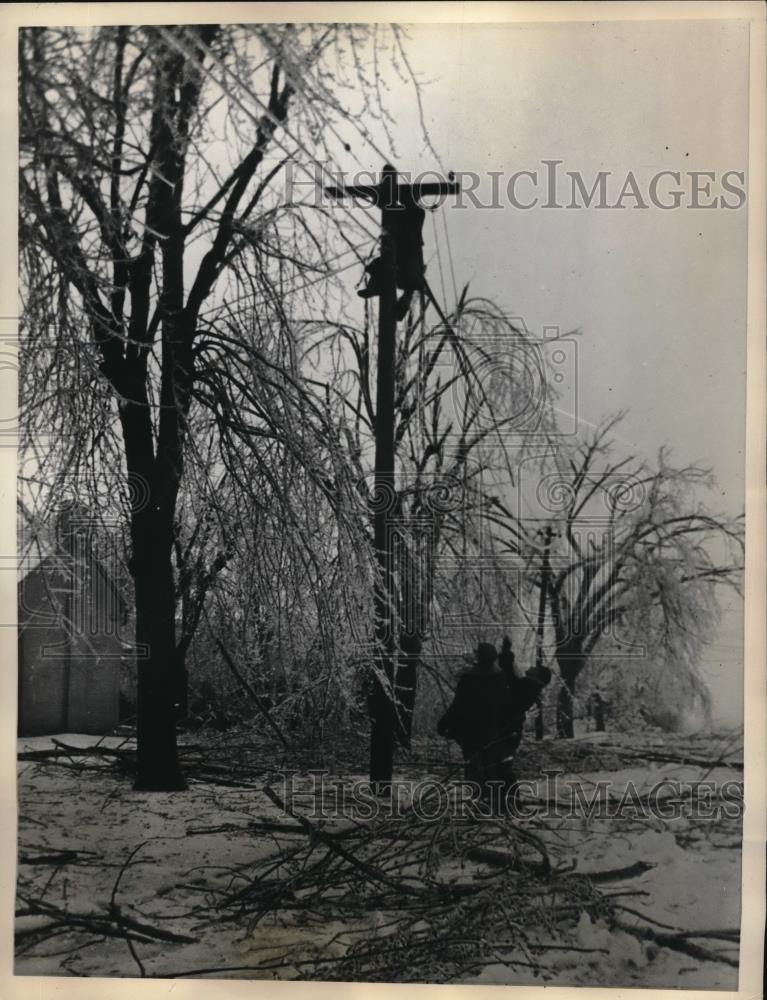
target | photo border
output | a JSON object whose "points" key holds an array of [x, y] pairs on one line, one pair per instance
{"points": [[755, 700]]}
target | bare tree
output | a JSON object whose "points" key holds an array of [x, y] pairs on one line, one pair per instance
{"points": [[634, 557], [453, 434], [139, 239]]}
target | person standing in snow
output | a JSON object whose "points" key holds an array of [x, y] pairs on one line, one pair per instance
{"points": [[525, 691], [487, 715]]}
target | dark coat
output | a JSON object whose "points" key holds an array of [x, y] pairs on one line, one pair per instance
{"points": [[488, 709], [407, 229]]}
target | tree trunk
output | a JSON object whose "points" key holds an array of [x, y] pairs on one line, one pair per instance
{"points": [[382, 731], [541, 628], [158, 765], [565, 712], [180, 687], [568, 670], [407, 677], [152, 534], [599, 713]]}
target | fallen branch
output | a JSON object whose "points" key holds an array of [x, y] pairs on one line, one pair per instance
{"points": [[669, 758], [332, 844], [111, 924], [63, 857], [62, 750], [506, 861], [677, 942], [154, 933], [619, 874]]}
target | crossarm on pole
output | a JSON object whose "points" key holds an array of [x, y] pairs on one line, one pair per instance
{"points": [[402, 194], [357, 191]]}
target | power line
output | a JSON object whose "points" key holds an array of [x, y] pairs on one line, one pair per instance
{"points": [[439, 260], [450, 257]]}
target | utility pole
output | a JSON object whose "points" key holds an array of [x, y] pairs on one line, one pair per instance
{"points": [[540, 629], [401, 223]]}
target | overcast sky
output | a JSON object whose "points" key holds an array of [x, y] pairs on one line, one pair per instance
{"points": [[659, 296]]}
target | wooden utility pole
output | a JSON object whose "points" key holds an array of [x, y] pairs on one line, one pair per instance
{"points": [[395, 200], [382, 707], [541, 626]]}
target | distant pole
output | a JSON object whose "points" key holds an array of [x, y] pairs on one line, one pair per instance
{"points": [[541, 627]]}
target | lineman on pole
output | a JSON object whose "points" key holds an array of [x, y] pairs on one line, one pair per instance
{"points": [[400, 265], [403, 217]]}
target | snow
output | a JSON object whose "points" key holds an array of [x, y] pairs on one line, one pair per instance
{"points": [[171, 850], [691, 887]]}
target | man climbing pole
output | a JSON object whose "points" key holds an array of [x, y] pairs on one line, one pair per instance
{"points": [[403, 218], [400, 265], [407, 234]]}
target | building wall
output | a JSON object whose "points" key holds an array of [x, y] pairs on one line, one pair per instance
{"points": [[68, 677]]}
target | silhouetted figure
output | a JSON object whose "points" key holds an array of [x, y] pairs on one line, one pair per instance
{"points": [[487, 715], [479, 718], [403, 218], [406, 226], [525, 691]]}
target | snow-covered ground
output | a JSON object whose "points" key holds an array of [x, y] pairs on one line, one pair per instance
{"points": [[693, 885], [155, 858]]}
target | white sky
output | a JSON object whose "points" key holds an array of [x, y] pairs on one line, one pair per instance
{"points": [[658, 295]]}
